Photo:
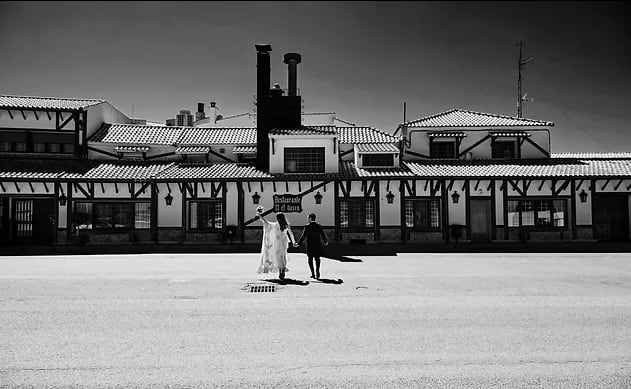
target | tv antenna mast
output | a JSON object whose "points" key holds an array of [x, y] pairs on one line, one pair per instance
{"points": [[521, 98]]}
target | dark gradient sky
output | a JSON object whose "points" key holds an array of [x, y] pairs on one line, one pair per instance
{"points": [[361, 60]]}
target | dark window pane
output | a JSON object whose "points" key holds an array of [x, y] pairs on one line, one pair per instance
{"points": [[68, 148], [503, 149], [304, 160], [142, 217], [378, 159], [205, 215], [39, 147], [443, 149]]}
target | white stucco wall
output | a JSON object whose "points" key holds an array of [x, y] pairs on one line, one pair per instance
{"points": [[325, 212], [420, 141], [277, 157], [583, 210], [169, 215], [31, 121], [389, 214], [499, 203], [457, 211]]}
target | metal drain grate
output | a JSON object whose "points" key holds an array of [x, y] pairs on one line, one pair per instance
{"points": [[261, 288]]}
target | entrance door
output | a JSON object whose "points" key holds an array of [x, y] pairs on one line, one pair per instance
{"points": [[480, 220], [4, 221], [33, 221], [611, 217]]}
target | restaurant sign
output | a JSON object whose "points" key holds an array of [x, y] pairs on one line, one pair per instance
{"points": [[287, 203]]}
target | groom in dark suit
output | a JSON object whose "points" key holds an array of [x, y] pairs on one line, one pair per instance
{"points": [[315, 237]]}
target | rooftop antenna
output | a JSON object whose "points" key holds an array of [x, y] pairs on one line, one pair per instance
{"points": [[520, 65], [404, 112]]}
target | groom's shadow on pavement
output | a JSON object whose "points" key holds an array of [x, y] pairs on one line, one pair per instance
{"points": [[287, 281], [341, 258], [329, 281]]}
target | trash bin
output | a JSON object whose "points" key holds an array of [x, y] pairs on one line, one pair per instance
{"points": [[456, 231], [231, 232]]}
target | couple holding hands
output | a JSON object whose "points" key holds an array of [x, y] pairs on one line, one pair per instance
{"points": [[276, 239]]}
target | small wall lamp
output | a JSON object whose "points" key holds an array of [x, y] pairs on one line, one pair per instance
{"points": [[455, 197], [62, 200], [583, 196], [255, 198], [168, 198], [390, 197], [318, 198]]}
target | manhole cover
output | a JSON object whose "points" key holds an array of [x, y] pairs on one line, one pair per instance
{"points": [[260, 288]]}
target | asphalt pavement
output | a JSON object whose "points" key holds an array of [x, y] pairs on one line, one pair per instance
{"points": [[407, 320]]}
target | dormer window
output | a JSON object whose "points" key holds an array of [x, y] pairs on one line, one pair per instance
{"points": [[377, 160], [304, 159], [442, 149], [445, 145], [504, 148], [507, 144], [376, 155]]}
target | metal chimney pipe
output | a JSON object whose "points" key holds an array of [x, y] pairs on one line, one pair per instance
{"points": [[292, 60]]}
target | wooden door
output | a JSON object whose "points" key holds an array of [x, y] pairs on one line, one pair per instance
{"points": [[480, 220], [611, 217]]}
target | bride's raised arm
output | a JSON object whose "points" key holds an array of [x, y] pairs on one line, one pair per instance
{"points": [[259, 214]]}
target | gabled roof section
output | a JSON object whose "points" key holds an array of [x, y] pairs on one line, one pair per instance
{"points": [[133, 134], [353, 135], [94, 170], [209, 171], [217, 136], [304, 130], [464, 118], [612, 155], [380, 148], [45, 103]]}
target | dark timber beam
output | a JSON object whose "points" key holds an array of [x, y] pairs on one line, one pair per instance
{"points": [[23, 114], [604, 186], [541, 185], [35, 113], [473, 146], [618, 185]]}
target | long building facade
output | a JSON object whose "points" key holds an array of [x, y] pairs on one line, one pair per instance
{"points": [[78, 171]]}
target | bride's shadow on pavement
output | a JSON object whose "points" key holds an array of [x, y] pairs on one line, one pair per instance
{"points": [[339, 281], [287, 281]]}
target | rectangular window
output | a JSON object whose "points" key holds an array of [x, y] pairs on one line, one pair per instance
{"points": [[304, 160], [422, 215], [39, 147], [504, 149], [52, 147], [5, 146], [112, 215], [369, 160], [357, 214], [442, 149], [205, 215], [68, 148], [19, 147], [83, 216], [537, 213], [142, 216]]}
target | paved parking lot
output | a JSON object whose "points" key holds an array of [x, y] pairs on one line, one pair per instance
{"points": [[405, 320]]}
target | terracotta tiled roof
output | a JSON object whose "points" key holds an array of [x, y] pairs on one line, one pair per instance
{"points": [[244, 150], [445, 134], [613, 155], [192, 150], [523, 168], [32, 102], [123, 170], [194, 171], [35, 169], [133, 134], [199, 136], [131, 149], [348, 170], [376, 148], [305, 130], [353, 135], [510, 134], [464, 118]]}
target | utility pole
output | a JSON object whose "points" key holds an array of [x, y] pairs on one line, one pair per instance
{"points": [[520, 65]]}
